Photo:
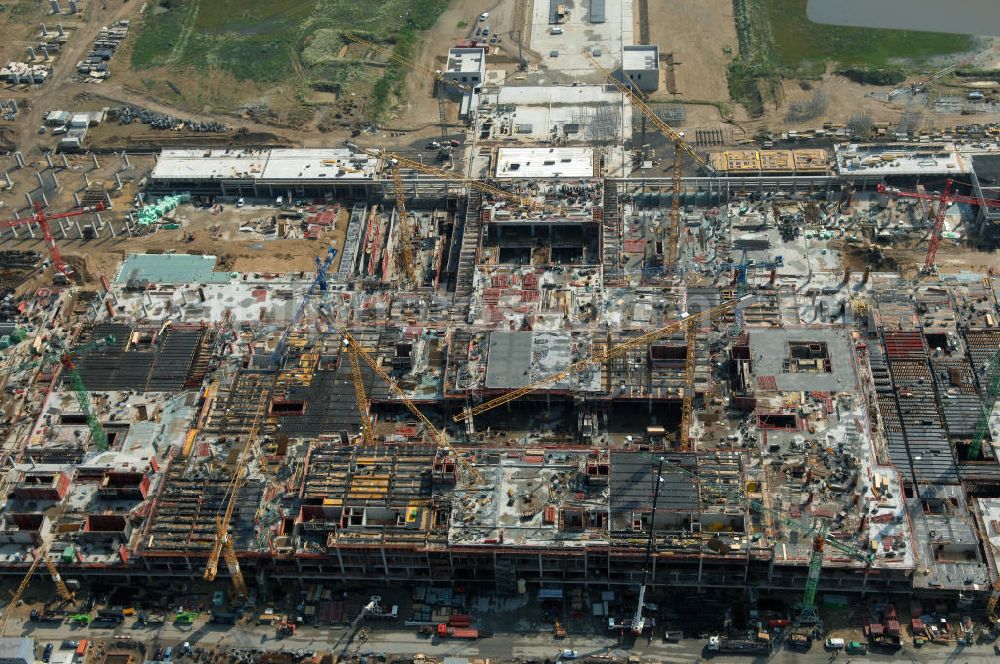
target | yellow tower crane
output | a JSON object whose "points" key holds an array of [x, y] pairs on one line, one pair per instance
{"points": [[404, 258], [223, 545], [687, 403], [16, 597], [64, 592], [680, 145], [600, 358], [470, 476], [364, 409], [355, 346]]}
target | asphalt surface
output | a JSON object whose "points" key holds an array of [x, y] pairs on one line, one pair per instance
{"points": [[394, 639]]}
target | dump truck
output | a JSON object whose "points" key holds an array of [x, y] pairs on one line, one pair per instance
{"points": [[723, 645], [445, 631], [799, 641], [45, 616]]}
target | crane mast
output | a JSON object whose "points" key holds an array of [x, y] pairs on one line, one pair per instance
{"points": [[944, 199], [364, 412], [39, 217], [404, 257], [223, 545]]}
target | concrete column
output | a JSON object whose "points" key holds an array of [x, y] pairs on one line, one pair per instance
{"points": [[111, 227], [59, 29], [96, 163], [6, 177], [19, 158], [44, 31], [31, 231], [76, 199], [45, 200], [118, 182], [72, 7], [31, 53], [45, 53], [31, 203], [55, 181], [97, 231], [100, 222], [64, 227], [54, 5], [86, 179], [65, 161], [107, 200], [13, 231], [48, 159], [125, 159], [41, 182], [128, 228], [79, 231]]}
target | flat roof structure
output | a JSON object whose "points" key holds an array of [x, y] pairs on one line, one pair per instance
{"points": [[466, 60], [171, 269], [263, 165], [642, 57], [902, 159], [545, 163]]}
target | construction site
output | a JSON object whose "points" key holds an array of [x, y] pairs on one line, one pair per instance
{"points": [[531, 363]]}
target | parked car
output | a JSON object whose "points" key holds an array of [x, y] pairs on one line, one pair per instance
{"points": [[835, 644], [484, 16], [47, 653], [856, 648], [568, 654]]}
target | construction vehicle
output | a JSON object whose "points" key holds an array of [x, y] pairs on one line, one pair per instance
{"points": [[638, 623], [64, 273], [223, 540], [991, 392], [320, 283], [739, 646], [79, 619], [558, 631], [600, 358], [374, 605], [944, 200], [46, 616], [446, 631], [285, 628], [40, 555], [807, 611], [183, 618]]}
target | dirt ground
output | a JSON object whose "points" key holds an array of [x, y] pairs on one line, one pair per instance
{"points": [[695, 32], [239, 251]]}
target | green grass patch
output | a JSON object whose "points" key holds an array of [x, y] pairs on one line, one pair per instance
{"points": [[796, 38], [268, 41]]}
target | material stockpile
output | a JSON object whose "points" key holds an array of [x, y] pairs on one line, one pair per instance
{"points": [[95, 65], [152, 213], [129, 114]]}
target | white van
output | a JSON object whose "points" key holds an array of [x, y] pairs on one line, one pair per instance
{"points": [[835, 644], [555, 31]]}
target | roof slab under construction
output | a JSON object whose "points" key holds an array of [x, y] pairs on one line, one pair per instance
{"points": [[502, 411]]}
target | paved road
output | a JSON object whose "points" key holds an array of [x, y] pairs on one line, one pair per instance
{"points": [[500, 647]]}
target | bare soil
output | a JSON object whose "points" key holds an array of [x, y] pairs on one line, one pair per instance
{"points": [[695, 32]]}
